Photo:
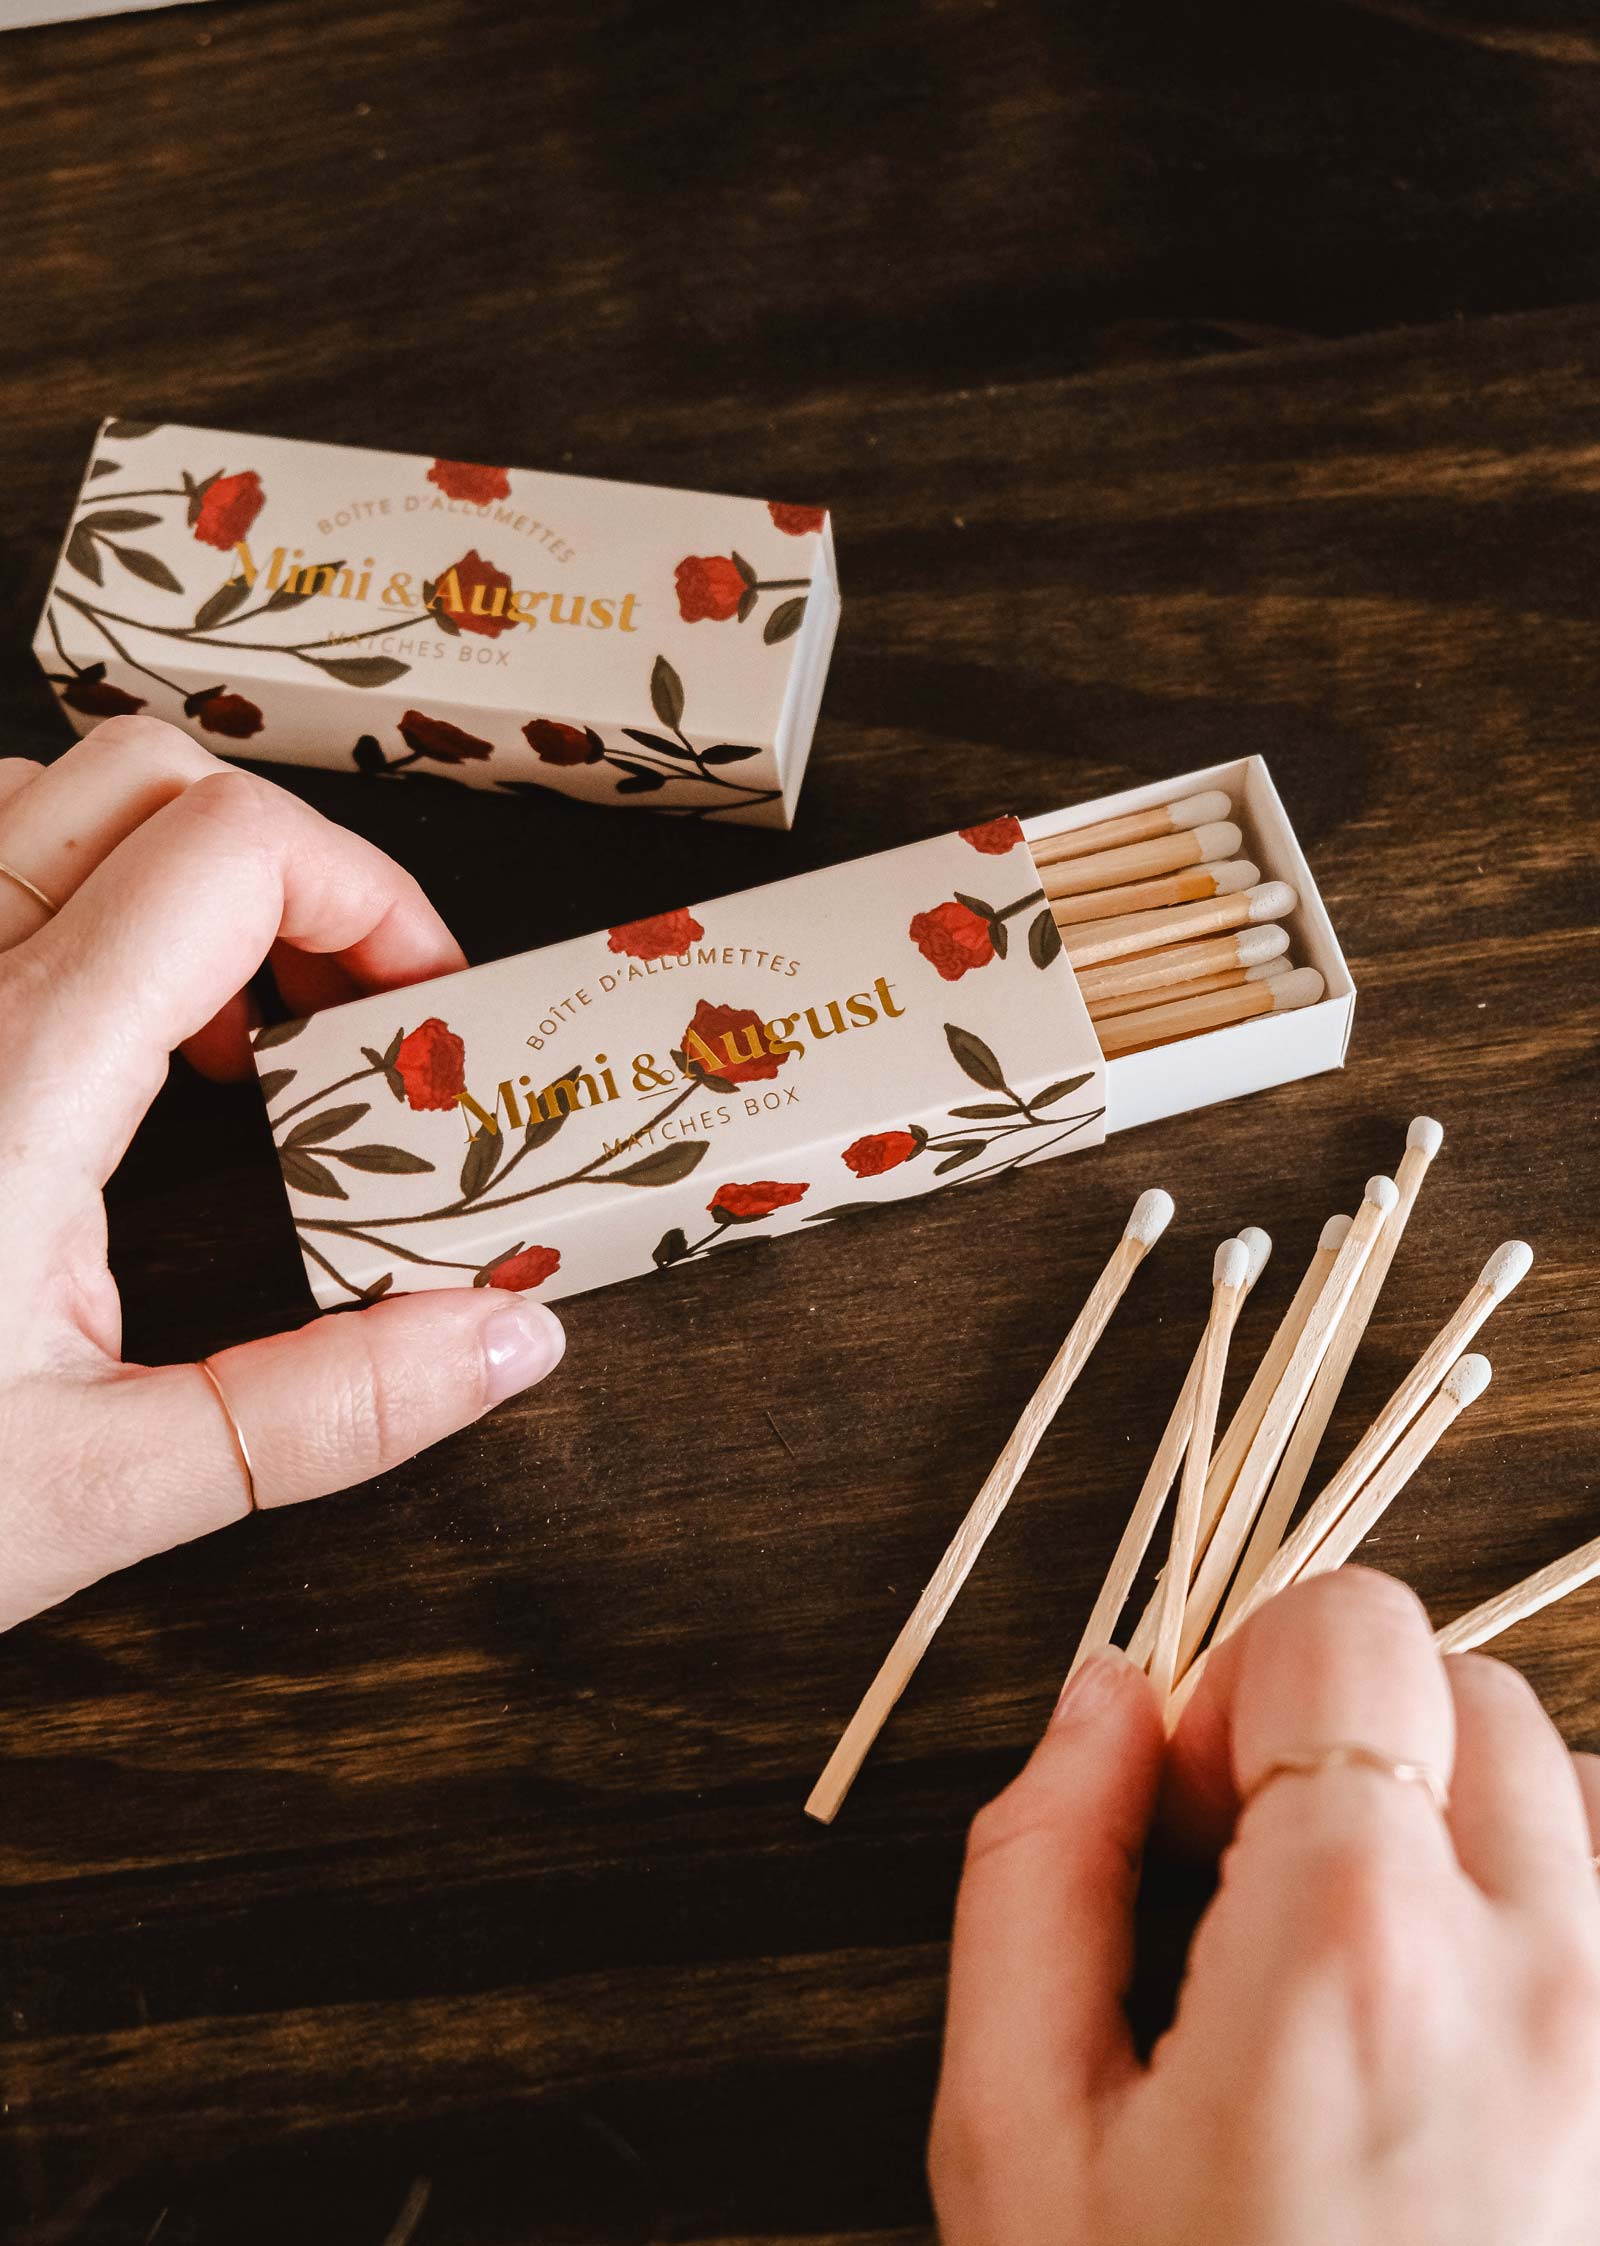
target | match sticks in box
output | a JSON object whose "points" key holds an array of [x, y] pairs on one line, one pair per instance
{"points": [[1170, 931]]}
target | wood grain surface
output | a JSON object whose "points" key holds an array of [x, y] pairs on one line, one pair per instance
{"points": [[427, 1867]]}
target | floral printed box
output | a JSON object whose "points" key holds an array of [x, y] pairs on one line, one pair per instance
{"points": [[679, 1087], [399, 617], [673, 1089]]}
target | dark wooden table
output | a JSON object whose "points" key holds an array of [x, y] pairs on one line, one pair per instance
{"points": [[428, 1864]]}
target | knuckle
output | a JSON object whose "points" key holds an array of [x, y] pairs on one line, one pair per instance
{"points": [[1014, 1815], [1485, 1678], [1374, 1600], [148, 738]]}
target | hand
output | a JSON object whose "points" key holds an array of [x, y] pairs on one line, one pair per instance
{"points": [[1389, 2033], [176, 876]]}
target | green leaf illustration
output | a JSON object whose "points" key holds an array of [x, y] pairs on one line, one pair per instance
{"points": [[957, 1155], [639, 782], [660, 744], [667, 1165], [367, 756], [1044, 938], [784, 621], [278, 1034], [666, 692], [1000, 937], [985, 1111], [974, 1059], [975, 904], [317, 1128], [727, 752], [378, 1289], [544, 1127], [305, 587], [747, 605], [101, 468], [275, 1081], [131, 429], [222, 603], [743, 567], [120, 518], [83, 555], [394, 1161], [669, 1248], [483, 1154], [1054, 1092], [307, 1175], [138, 563], [359, 670]]}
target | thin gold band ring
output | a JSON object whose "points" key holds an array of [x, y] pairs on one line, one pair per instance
{"points": [[235, 1430], [31, 888], [1351, 1755]]}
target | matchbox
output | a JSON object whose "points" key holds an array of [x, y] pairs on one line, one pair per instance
{"points": [[677, 1088], [400, 618]]}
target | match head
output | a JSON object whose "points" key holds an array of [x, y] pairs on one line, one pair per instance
{"points": [[1199, 810], [1259, 1245], [1301, 986], [1271, 900], [1230, 1266], [1218, 838], [1382, 1192], [1331, 1238], [1467, 1378], [1252, 946], [1152, 1213], [1232, 873], [1269, 968], [1424, 1136], [1506, 1268]]}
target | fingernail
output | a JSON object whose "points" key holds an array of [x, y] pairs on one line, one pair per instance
{"points": [[521, 1343], [1091, 1689]]}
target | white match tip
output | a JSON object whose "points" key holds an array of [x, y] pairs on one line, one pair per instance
{"points": [[1253, 945], [1233, 874], [1425, 1136], [1302, 986], [1268, 969], [1218, 838], [1506, 1268], [1230, 1266], [1331, 1238], [1259, 1244], [1197, 810], [1383, 1192], [1152, 1213], [1272, 900], [1467, 1378]]}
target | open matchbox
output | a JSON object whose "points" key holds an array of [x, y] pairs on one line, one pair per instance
{"points": [[676, 1088], [404, 618]]}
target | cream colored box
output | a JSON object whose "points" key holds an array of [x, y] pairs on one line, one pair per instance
{"points": [[674, 1089], [398, 617]]}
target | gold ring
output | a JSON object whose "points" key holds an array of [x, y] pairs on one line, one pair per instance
{"points": [[202, 1365], [1350, 1755], [32, 887]]}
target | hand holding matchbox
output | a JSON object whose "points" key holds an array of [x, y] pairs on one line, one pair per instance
{"points": [[672, 1089]]}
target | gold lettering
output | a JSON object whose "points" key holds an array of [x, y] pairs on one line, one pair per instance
{"points": [[600, 617]]}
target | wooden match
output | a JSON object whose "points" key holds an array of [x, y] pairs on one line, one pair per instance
{"points": [[1142, 861], [1219, 878], [1228, 1273], [1107, 1009], [1155, 971], [1541, 1589], [1218, 1009], [1151, 1215], [1133, 826], [1101, 940]]}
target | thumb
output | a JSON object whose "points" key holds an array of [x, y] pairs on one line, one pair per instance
{"points": [[333, 1403], [1043, 1943]]}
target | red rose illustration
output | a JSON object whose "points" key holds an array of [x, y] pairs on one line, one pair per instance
{"points": [[952, 939], [433, 1065], [884, 1150], [709, 586], [664, 937], [742, 1204], [796, 520], [529, 1267], [995, 837], [562, 744], [445, 743], [228, 714], [463, 479], [226, 509], [474, 575], [97, 697], [713, 1026]]}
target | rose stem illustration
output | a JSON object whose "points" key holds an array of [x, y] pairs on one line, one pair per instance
{"points": [[1251, 1410], [1541, 1589], [1132, 826], [1103, 940], [1152, 1213], [1142, 861], [305, 651], [1190, 1017], [1216, 878], [1229, 1270], [1135, 1539], [1423, 1141]]}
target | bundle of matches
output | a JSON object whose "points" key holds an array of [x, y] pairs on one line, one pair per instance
{"points": [[1169, 930]]}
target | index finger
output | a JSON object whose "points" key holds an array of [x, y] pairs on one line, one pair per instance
{"points": [[169, 928]]}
